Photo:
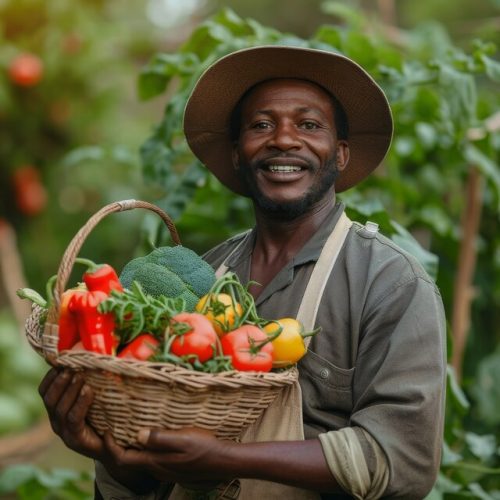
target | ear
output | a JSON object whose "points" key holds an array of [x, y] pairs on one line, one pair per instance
{"points": [[235, 156], [342, 154]]}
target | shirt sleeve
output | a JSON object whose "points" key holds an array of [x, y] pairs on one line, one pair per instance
{"points": [[346, 457], [398, 388]]}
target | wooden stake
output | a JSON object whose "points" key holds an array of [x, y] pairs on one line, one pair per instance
{"points": [[463, 287]]}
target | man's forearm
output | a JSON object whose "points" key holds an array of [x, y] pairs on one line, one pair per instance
{"points": [[296, 463]]}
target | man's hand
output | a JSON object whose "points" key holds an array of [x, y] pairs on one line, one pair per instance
{"points": [[193, 456], [67, 400]]}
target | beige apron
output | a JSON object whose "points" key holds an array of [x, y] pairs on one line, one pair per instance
{"points": [[272, 426]]}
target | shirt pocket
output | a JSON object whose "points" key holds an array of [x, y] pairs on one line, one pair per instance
{"points": [[325, 386]]}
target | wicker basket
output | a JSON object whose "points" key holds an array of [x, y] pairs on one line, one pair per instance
{"points": [[130, 395]]}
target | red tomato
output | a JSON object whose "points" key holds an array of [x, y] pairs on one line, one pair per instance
{"points": [[26, 70], [31, 196], [248, 350], [199, 337], [142, 347]]}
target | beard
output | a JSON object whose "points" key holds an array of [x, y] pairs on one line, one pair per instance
{"points": [[289, 210]]}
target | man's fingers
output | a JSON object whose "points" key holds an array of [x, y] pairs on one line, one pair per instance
{"points": [[158, 440], [80, 406], [178, 441], [47, 380], [121, 455], [55, 390], [69, 397]]}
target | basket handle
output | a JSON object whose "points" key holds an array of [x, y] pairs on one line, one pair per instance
{"points": [[76, 243]]}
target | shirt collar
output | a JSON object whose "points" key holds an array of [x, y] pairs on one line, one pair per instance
{"points": [[309, 252]]}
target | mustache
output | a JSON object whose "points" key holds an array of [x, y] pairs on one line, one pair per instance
{"points": [[293, 158]]}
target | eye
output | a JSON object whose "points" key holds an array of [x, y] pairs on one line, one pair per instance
{"points": [[262, 125], [309, 125]]}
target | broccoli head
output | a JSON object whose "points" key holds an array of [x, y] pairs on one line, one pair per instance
{"points": [[172, 272], [188, 265]]}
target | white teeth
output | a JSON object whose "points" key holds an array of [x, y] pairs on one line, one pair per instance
{"points": [[284, 168]]}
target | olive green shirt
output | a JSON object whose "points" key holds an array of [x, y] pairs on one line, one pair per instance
{"points": [[379, 361]]}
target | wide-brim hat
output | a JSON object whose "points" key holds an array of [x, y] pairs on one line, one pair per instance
{"points": [[208, 111]]}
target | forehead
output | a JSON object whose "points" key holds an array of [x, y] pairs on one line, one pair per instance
{"points": [[290, 91]]}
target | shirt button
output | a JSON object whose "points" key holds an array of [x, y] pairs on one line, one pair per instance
{"points": [[324, 373]]}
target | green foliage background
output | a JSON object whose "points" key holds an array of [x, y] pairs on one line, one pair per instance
{"points": [[443, 89]]}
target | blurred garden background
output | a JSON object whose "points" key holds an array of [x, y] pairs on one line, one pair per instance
{"points": [[91, 100]]}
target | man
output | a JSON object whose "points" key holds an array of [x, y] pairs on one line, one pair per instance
{"points": [[290, 127]]}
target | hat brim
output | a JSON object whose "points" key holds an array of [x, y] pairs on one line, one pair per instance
{"points": [[212, 101]]}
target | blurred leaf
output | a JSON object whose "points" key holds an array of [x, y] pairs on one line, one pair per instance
{"points": [[449, 457], [437, 218], [86, 154], [407, 242], [483, 447], [329, 35], [359, 47], [479, 492], [492, 68], [459, 97], [347, 13], [426, 134], [443, 484], [456, 398], [155, 76], [12, 477], [486, 165], [486, 389], [237, 26], [33, 483]]}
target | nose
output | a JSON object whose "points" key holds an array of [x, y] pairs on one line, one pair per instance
{"points": [[285, 137]]}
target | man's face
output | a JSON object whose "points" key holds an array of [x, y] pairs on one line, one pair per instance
{"points": [[287, 153]]}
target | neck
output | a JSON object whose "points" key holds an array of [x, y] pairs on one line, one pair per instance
{"points": [[284, 238], [278, 241]]}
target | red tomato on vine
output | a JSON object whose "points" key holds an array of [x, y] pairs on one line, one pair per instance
{"points": [[30, 193], [195, 336], [249, 348], [26, 70]]}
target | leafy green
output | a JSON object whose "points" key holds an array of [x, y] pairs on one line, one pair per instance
{"points": [[29, 482], [22, 370]]}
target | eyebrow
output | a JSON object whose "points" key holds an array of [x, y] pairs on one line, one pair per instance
{"points": [[304, 109]]}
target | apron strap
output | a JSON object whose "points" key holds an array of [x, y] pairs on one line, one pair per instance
{"points": [[223, 267], [316, 285]]}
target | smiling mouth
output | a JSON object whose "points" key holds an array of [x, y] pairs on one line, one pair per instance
{"points": [[284, 169]]}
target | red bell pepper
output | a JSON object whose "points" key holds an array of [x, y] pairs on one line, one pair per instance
{"points": [[100, 276], [68, 334], [142, 347], [250, 349], [95, 328]]}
